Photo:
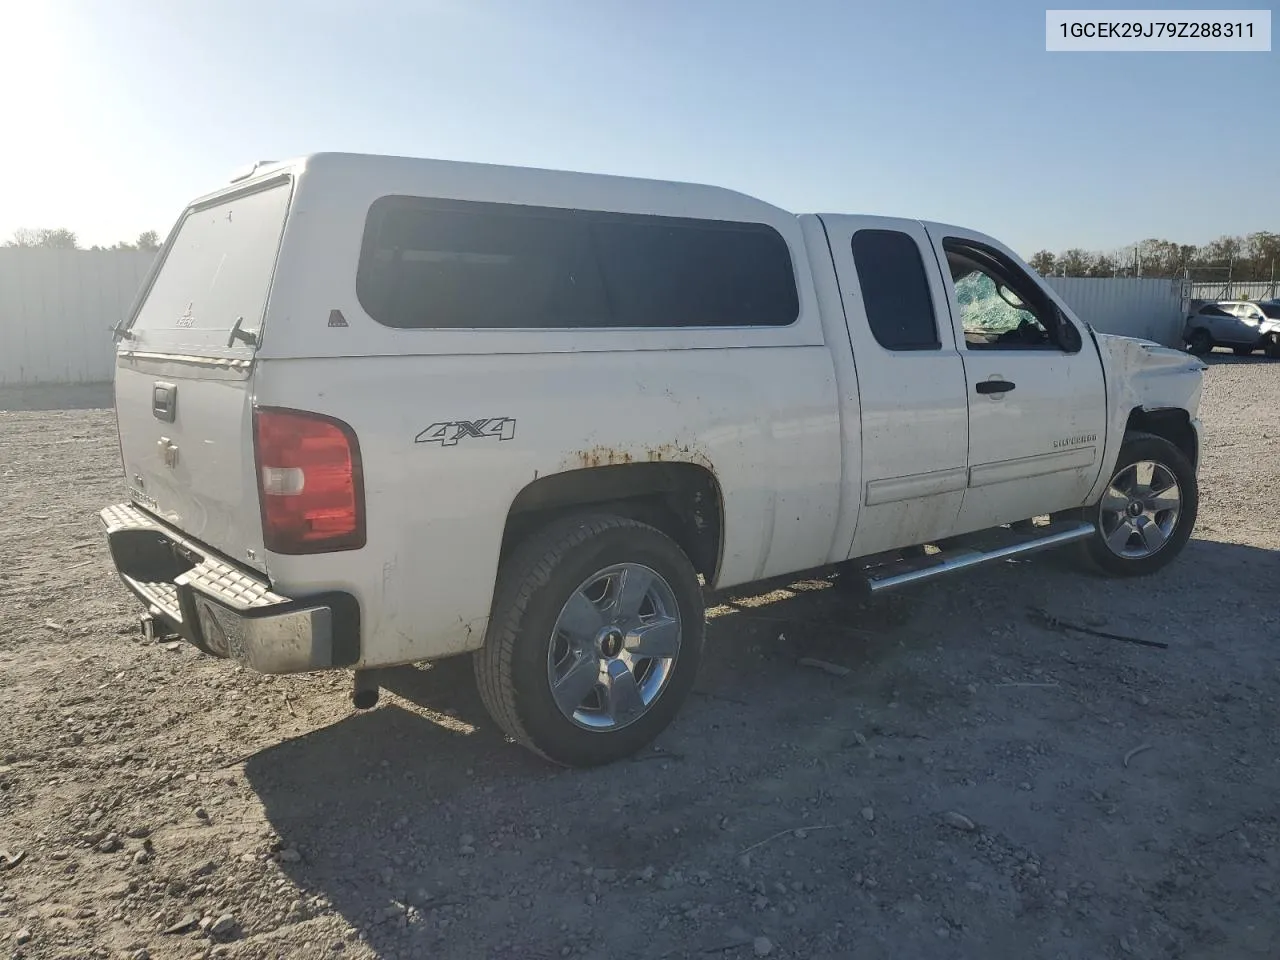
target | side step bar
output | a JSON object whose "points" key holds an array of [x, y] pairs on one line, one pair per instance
{"points": [[937, 565]]}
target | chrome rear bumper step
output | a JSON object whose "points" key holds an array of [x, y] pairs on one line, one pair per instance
{"points": [[904, 572], [222, 609]]}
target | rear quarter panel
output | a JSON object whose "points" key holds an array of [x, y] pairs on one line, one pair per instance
{"points": [[763, 421]]}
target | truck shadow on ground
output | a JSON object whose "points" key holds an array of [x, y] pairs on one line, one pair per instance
{"points": [[430, 833], [399, 814]]}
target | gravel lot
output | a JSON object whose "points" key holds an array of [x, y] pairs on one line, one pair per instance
{"points": [[984, 783]]}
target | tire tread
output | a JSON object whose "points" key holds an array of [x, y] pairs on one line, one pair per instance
{"points": [[1096, 556], [529, 568]]}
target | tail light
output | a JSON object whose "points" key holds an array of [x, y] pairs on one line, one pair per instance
{"points": [[310, 482]]}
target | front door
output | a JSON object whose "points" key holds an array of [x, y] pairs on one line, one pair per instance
{"points": [[1242, 327], [1036, 394]]}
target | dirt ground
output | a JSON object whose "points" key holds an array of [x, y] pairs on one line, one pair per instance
{"points": [[984, 782]]}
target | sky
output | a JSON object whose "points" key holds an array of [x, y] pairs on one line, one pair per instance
{"points": [[115, 114]]}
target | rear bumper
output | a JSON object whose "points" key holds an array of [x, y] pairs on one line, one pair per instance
{"points": [[223, 609]]}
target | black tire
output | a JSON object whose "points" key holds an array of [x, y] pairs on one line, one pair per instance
{"points": [[1242, 351], [1273, 347], [1200, 342], [1146, 447], [533, 586]]}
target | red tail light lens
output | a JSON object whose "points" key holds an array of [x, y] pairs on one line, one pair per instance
{"points": [[310, 482]]}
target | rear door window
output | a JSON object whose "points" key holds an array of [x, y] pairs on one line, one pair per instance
{"points": [[216, 272], [895, 290]]}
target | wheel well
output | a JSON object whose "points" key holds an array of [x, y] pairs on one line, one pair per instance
{"points": [[1192, 332], [1172, 424], [680, 499]]}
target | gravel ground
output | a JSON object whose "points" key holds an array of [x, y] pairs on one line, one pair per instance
{"points": [[983, 783]]}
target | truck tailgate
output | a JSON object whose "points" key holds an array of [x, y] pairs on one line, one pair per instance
{"points": [[194, 471]]}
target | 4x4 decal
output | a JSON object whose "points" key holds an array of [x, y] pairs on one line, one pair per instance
{"points": [[448, 434]]}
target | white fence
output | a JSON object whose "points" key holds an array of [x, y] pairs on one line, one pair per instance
{"points": [[1150, 309], [57, 308], [1222, 290]]}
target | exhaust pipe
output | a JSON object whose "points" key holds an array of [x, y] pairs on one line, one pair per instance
{"points": [[365, 689]]}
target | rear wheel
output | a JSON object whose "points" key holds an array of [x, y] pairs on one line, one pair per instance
{"points": [[594, 640], [1147, 511], [1242, 351], [1200, 342]]}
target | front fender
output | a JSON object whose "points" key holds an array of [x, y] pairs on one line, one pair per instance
{"points": [[1143, 375]]}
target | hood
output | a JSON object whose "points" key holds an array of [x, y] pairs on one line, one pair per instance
{"points": [[1135, 351]]}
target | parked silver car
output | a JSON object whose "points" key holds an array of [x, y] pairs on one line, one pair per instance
{"points": [[1242, 325]]}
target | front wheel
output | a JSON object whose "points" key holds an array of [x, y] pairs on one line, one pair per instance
{"points": [[1273, 347], [594, 639], [1147, 511]]}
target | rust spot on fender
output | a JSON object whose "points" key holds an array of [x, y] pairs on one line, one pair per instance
{"points": [[598, 456], [603, 455], [677, 453]]}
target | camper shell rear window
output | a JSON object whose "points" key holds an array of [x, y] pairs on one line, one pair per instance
{"points": [[216, 271], [449, 264]]}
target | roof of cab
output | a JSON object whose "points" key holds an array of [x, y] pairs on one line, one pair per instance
{"points": [[526, 185]]}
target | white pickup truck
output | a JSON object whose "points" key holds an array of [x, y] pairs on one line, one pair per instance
{"points": [[380, 410]]}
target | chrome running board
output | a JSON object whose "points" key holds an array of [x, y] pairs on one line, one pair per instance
{"points": [[903, 572]]}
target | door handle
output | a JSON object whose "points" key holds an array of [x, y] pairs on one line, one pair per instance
{"points": [[994, 386], [164, 401]]}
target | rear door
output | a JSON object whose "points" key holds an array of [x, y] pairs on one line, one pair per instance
{"points": [[1037, 399], [184, 370], [911, 385], [1228, 325], [1216, 320]]}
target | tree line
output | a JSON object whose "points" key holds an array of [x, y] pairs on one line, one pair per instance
{"points": [[1254, 256], [60, 238]]}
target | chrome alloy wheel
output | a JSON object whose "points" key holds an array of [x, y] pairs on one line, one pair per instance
{"points": [[613, 647], [1140, 510]]}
